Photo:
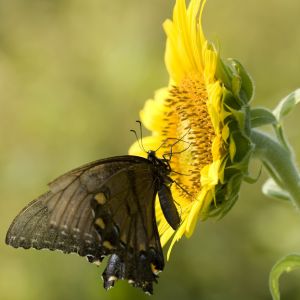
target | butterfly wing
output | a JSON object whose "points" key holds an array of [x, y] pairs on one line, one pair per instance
{"points": [[103, 208], [62, 218], [125, 219]]}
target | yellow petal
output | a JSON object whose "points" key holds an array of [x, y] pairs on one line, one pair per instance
{"points": [[194, 214], [232, 149], [154, 110], [216, 146], [225, 132], [166, 236], [190, 114], [179, 233], [210, 63], [210, 174], [149, 143]]}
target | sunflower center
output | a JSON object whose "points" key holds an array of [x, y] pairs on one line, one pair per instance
{"points": [[188, 119]]}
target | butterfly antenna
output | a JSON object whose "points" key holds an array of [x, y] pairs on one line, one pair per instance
{"points": [[141, 134], [138, 140]]}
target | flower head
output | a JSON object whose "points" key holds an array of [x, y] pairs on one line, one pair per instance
{"points": [[198, 120]]}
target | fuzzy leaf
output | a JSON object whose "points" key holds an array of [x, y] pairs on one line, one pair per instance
{"points": [[286, 105], [286, 264], [271, 189], [261, 116]]}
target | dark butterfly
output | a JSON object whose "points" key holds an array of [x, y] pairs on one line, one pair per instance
{"points": [[104, 208]]}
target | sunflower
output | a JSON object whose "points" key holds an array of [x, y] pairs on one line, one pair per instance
{"points": [[196, 120]]}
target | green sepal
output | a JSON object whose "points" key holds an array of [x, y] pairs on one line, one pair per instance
{"points": [[230, 102], [237, 93], [223, 73], [261, 116], [286, 264], [247, 120], [236, 79], [286, 105], [240, 117], [273, 190], [243, 148], [226, 195], [247, 86], [236, 84]]}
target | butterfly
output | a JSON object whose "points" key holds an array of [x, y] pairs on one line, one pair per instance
{"points": [[104, 208]]}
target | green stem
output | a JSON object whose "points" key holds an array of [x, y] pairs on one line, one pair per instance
{"points": [[279, 163]]}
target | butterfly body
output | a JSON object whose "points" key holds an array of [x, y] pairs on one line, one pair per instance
{"points": [[105, 208]]}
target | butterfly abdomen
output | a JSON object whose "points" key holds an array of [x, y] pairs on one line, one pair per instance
{"points": [[167, 206]]}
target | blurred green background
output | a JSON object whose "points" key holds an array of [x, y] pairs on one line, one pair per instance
{"points": [[73, 76]]}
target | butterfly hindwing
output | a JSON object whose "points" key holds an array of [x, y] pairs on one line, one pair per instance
{"points": [[103, 208], [125, 219]]}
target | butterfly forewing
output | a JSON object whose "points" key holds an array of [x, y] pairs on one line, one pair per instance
{"points": [[102, 208]]}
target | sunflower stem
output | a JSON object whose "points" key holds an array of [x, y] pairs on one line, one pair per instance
{"points": [[279, 162]]}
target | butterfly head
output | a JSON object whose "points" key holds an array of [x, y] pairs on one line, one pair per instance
{"points": [[152, 155], [161, 164]]}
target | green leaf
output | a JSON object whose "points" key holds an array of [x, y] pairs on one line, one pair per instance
{"points": [[286, 264], [271, 189], [261, 116], [286, 105]]}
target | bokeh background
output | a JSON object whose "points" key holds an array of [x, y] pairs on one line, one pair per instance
{"points": [[73, 76]]}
